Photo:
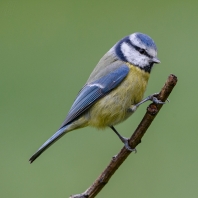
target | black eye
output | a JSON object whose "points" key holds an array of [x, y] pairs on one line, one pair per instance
{"points": [[142, 51]]}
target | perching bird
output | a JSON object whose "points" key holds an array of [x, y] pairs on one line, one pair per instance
{"points": [[114, 89]]}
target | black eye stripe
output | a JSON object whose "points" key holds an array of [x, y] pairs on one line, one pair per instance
{"points": [[121, 56], [128, 41]]}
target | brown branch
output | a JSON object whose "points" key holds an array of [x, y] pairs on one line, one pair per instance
{"points": [[152, 111]]}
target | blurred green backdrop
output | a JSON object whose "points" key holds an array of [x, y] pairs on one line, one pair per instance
{"points": [[47, 51]]}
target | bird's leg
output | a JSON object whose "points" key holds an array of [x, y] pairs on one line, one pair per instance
{"points": [[124, 140], [151, 98]]}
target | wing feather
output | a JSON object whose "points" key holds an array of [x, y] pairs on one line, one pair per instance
{"points": [[93, 91]]}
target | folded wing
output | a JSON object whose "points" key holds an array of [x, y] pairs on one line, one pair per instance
{"points": [[93, 91]]}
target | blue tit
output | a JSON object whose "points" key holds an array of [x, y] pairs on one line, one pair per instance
{"points": [[114, 89]]}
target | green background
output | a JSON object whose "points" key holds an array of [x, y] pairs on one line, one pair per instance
{"points": [[47, 51]]}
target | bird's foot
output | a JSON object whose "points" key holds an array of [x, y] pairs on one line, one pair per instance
{"points": [[124, 140], [126, 144], [154, 99]]}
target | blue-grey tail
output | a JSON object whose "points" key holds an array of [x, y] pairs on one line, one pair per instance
{"points": [[49, 142]]}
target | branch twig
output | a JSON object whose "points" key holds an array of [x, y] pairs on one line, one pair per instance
{"points": [[135, 139]]}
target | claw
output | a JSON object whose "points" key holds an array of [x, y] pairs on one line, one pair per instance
{"points": [[156, 101], [126, 144], [152, 98]]}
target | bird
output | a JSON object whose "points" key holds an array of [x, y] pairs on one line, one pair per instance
{"points": [[113, 91]]}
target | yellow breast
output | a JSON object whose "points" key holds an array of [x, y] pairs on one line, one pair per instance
{"points": [[113, 108]]}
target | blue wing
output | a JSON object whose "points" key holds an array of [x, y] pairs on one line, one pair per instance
{"points": [[93, 91], [89, 94]]}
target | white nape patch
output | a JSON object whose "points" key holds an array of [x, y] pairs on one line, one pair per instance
{"points": [[96, 85], [133, 56]]}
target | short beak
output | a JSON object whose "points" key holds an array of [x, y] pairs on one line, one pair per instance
{"points": [[156, 60]]}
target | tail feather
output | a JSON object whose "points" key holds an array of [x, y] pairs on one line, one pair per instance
{"points": [[49, 142]]}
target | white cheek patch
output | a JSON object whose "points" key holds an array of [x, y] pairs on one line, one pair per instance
{"points": [[128, 51], [133, 56]]}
